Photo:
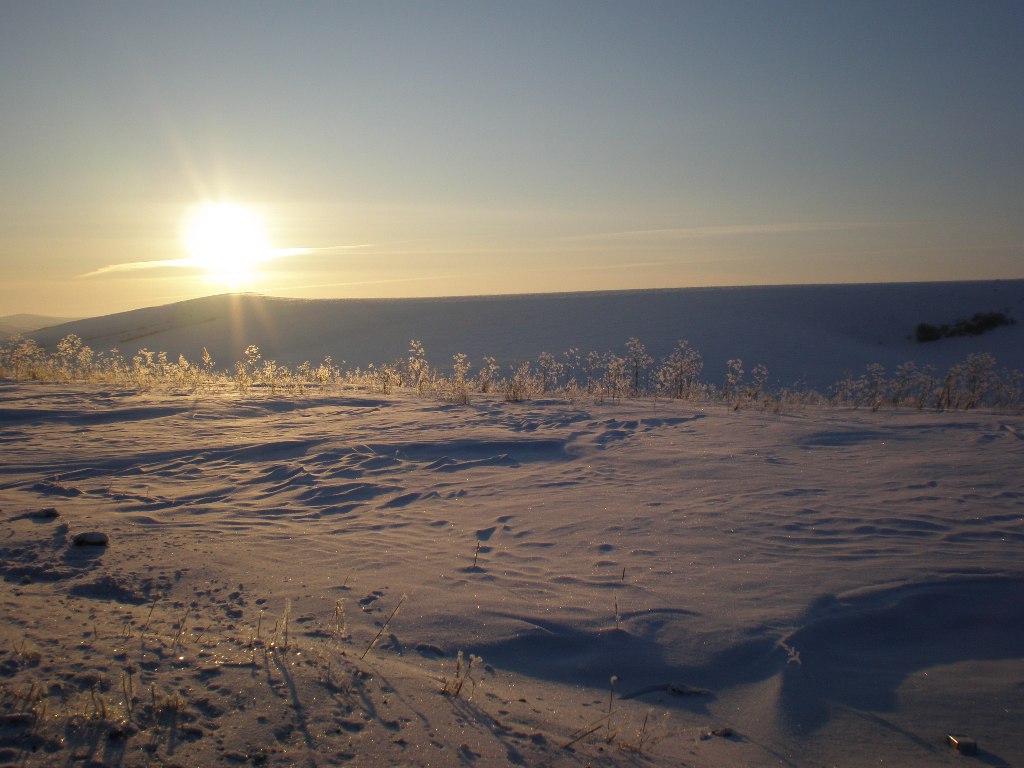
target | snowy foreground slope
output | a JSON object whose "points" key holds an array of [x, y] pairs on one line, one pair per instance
{"points": [[821, 587], [808, 333]]}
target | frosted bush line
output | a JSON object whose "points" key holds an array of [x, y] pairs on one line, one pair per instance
{"points": [[975, 382]]}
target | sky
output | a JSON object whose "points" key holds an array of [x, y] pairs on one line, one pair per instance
{"points": [[452, 148]]}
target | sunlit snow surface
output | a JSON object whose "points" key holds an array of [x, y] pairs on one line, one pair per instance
{"points": [[847, 586]]}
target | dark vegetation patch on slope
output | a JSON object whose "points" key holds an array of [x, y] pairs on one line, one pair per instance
{"points": [[979, 323]]}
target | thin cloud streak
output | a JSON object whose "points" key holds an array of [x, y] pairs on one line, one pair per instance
{"points": [[273, 255], [132, 266], [733, 230]]}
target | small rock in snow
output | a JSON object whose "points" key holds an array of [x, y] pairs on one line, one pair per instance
{"points": [[963, 744], [46, 514]]}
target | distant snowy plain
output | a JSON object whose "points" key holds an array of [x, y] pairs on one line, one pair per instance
{"points": [[289, 580]]}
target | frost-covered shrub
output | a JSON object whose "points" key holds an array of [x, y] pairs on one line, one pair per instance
{"points": [[456, 388], [679, 373], [758, 387], [549, 372], [487, 375], [417, 371], [522, 385], [639, 366], [383, 378], [967, 383], [615, 378], [912, 386], [23, 359], [733, 379]]}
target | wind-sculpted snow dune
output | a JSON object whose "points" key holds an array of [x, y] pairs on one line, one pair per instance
{"points": [[352, 578]]}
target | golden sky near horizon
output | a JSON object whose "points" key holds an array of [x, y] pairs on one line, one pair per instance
{"points": [[414, 149]]}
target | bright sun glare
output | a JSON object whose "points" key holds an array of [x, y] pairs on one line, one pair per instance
{"points": [[227, 241]]}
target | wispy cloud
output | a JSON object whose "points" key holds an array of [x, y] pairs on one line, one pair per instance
{"points": [[731, 230], [272, 255], [132, 266]]}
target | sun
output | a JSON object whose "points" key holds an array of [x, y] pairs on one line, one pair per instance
{"points": [[227, 241]]}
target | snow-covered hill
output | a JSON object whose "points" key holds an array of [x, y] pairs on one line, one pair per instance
{"points": [[809, 333]]}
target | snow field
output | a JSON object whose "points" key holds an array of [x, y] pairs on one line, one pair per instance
{"points": [[832, 586]]}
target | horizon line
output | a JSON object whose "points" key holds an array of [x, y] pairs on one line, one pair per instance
{"points": [[513, 295]]}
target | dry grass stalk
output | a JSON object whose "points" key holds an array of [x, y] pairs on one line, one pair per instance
{"points": [[385, 626]]}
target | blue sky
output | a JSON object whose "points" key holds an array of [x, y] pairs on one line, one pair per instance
{"points": [[416, 148]]}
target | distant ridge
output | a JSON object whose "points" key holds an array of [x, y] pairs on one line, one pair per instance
{"points": [[11, 325], [802, 333]]}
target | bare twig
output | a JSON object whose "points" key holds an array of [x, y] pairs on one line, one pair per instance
{"points": [[383, 627]]}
